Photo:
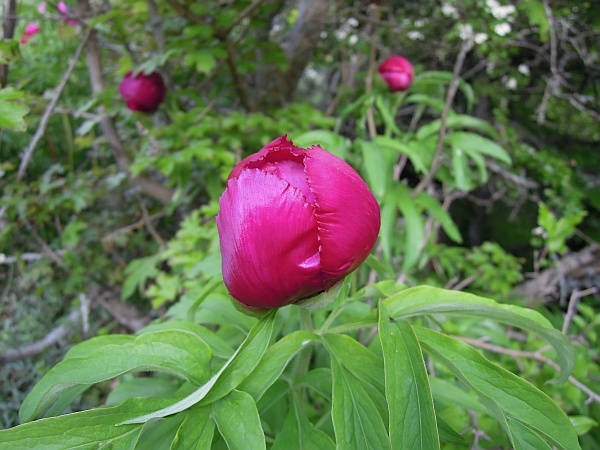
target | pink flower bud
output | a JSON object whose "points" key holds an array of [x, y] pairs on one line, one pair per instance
{"points": [[397, 72], [42, 8], [31, 29], [293, 222], [143, 92], [62, 8]]}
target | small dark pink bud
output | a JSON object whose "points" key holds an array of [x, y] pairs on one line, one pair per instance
{"points": [[397, 72], [143, 92], [32, 29], [293, 223]]}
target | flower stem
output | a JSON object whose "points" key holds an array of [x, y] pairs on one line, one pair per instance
{"points": [[306, 323]]}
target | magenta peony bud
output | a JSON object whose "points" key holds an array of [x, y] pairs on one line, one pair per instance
{"points": [[32, 29], [293, 222], [143, 92], [397, 72]]}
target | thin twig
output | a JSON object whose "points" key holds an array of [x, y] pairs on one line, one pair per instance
{"points": [[48, 112], [37, 347], [572, 309], [593, 396], [437, 159]]}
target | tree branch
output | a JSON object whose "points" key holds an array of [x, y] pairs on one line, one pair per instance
{"points": [[9, 24], [107, 125]]}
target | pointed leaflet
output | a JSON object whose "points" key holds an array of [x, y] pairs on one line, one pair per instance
{"points": [[274, 362], [412, 417], [196, 431], [356, 421], [177, 352], [299, 433], [95, 428], [238, 421], [233, 372], [428, 300], [514, 398]]}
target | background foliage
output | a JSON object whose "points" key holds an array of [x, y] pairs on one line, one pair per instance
{"points": [[486, 171]]}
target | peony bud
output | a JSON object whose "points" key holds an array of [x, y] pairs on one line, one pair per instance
{"points": [[143, 92], [32, 29], [293, 223], [63, 10], [397, 72]]}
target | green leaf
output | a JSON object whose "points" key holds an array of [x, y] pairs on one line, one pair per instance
{"points": [[448, 393], [583, 424], [12, 110], [299, 433], [238, 421], [159, 433], [356, 421], [379, 166], [218, 345], [414, 226], [357, 359], [196, 431], [456, 121], [400, 147], [137, 272], [524, 438], [274, 361], [460, 170], [515, 399], [179, 353], [319, 380], [428, 300], [412, 416], [444, 78], [387, 114], [95, 428], [231, 374], [472, 142], [328, 140], [427, 203], [448, 434]]}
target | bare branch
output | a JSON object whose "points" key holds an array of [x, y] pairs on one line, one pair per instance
{"points": [[50, 339], [39, 133]]}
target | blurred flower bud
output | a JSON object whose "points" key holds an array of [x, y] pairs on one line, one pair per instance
{"points": [[293, 223], [397, 72], [143, 92], [31, 29]]}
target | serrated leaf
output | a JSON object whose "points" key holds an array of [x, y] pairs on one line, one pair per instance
{"points": [[231, 374], [299, 433], [238, 421], [412, 416], [511, 398], [179, 353], [428, 300], [274, 361], [356, 421]]}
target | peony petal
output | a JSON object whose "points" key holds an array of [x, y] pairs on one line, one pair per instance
{"points": [[347, 213], [269, 241]]}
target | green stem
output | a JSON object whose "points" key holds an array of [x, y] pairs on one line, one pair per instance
{"points": [[305, 354]]}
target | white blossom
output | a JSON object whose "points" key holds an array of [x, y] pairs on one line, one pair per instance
{"points": [[415, 35], [353, 39], [511, 84], [449, 10], [498, 11], [465, 31], [480, 38], [502, 29], [524, 69]]}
